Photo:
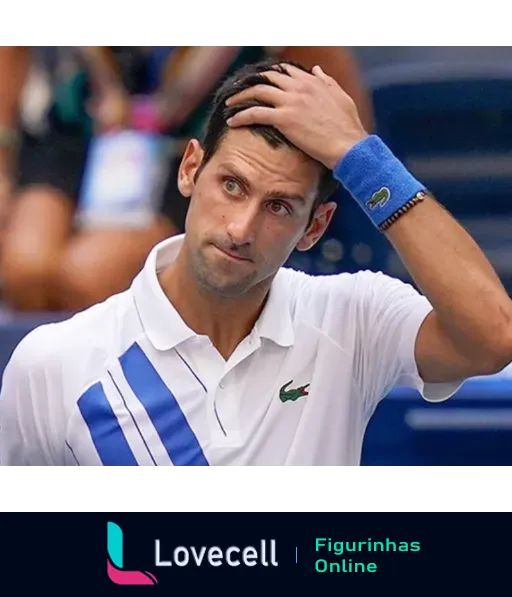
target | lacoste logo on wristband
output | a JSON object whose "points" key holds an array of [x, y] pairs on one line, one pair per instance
{"points": [[380, 198]]}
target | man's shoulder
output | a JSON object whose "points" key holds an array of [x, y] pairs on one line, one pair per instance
{"points": [[351, 300], [352, 285], [71, 342]]}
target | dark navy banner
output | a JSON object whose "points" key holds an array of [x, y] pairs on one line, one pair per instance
{"points": [[194, 554]]}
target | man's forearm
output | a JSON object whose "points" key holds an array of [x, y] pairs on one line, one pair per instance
{"points": [[455, 275]]}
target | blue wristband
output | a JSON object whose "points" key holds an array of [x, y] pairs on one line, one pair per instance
{"points": [[377, 180]]}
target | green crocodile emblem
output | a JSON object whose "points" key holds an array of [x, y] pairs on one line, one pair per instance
{"points": [[379, 199], [293, 394]]}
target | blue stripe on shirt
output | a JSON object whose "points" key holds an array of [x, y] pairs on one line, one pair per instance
{"points": [[163, 409], [107, 435]]}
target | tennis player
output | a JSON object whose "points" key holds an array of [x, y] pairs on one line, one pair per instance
{"points": [[218, 355]]}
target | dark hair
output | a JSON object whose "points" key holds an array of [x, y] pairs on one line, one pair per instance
{"points": [[216, 127]]}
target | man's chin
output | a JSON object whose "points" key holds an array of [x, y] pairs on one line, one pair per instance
{"points": [[228, 289]]}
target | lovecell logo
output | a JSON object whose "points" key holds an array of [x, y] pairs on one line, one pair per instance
{"points": [[116, 573]]}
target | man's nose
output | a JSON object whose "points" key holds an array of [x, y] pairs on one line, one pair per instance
{"points": [[243, 222]]}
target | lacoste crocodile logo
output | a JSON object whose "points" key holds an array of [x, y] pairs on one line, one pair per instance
{"points": [[379, 199], [293, 394]]}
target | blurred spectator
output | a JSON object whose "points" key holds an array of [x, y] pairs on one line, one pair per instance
{"points": [[13, 69], [72, 95]]}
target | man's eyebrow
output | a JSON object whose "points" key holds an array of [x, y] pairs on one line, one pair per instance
{"points": [[285, 196], [227, 167]]}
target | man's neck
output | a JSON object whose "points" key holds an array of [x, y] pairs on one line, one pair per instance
{"points": [[225, 321]]}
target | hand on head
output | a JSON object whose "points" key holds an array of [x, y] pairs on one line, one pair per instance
{"points": [[310, 109]]}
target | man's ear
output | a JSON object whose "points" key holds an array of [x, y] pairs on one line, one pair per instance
{"points": [[321, 220], [190, 164]]}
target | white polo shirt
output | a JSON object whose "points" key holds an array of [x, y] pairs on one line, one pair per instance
{"points": [[126, 382]]}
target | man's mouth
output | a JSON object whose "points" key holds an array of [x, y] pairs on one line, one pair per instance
{"points": [[233, 256]]}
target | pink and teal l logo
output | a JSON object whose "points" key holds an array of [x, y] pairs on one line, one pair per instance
{"points": [[115, 561]]}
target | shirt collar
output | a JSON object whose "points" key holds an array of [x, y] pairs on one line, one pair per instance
{"points": [[275, 322], [164, 326]]}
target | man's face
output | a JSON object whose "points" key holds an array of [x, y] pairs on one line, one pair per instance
{"points": [[249, 209]]}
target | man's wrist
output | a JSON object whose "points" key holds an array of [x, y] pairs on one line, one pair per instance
{"points": [[377, 180], [341, 148]]}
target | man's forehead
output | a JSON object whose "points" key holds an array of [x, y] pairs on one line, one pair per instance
{"points": [[249, 151]]}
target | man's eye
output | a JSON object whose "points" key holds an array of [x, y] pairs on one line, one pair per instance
{"points": [[232, 186], [278, 208]]}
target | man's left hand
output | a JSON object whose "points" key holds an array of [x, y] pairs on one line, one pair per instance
{"points": [[311, 110]]}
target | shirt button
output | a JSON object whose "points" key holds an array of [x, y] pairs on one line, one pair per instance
{"points": [[221, 385]]}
